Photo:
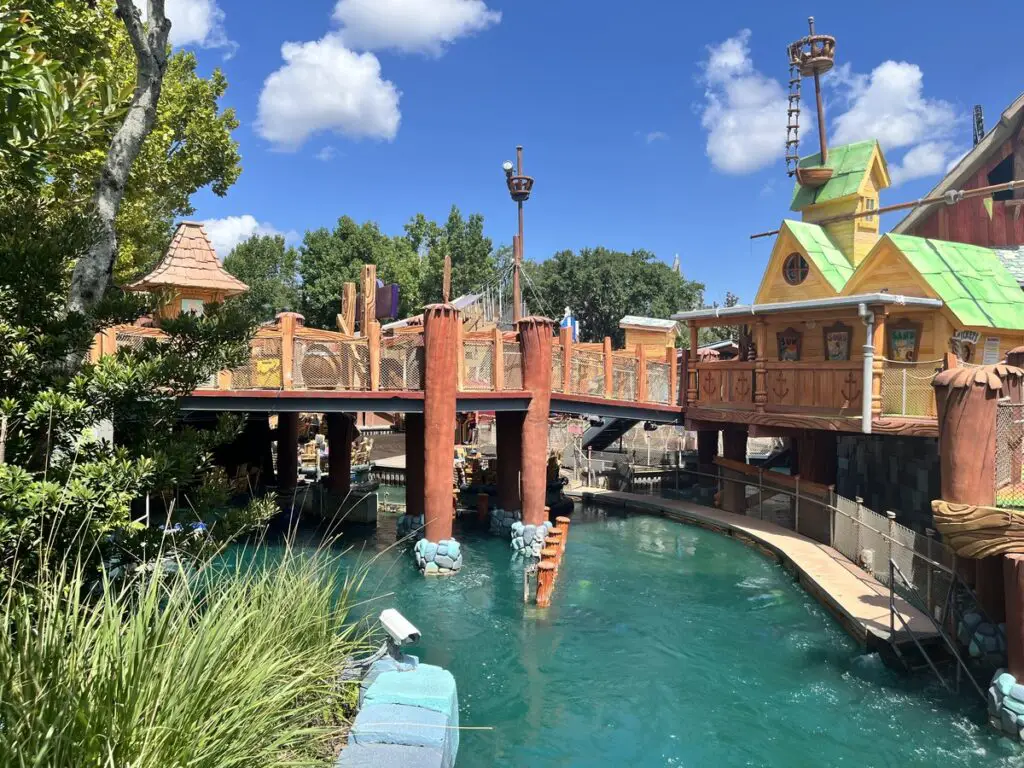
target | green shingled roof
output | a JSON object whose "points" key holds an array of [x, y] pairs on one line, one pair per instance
{"points": [[829, 260], [970, 279], [849, 163]]}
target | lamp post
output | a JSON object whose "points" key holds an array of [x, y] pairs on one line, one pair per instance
{"points": [[519, 187]]}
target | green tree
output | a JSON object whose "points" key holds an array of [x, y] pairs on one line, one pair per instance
{"points": [[723, 332], [330, 258], [271, 270], [472, 253], [601, 286]]}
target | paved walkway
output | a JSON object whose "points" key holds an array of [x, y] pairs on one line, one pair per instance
{"points": [[855, 598]]}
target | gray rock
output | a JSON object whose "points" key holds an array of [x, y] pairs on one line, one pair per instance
{"points": [[1008, 720], [430, 568], [443, 561]]}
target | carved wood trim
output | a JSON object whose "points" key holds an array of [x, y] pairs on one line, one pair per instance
{"points": [[978, 531]]}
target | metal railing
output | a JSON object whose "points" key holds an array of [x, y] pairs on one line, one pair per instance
{"points": [[1010, 454]]}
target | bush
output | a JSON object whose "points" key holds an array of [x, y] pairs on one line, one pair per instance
{"points": [[234, 664]]}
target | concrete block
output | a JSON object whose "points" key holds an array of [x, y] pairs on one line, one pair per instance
{"points": [[389, 756], [399, 724]]}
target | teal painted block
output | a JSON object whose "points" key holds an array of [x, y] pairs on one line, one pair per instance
{"points": [[389, 756], [1005, 682], [399, 724]]}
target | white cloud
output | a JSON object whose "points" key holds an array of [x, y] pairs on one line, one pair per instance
{"points": [[195, 22], [889, 105], [324, 86], [411, 26], [654, 136], [228, 232], [744, 112], [326, 154]]}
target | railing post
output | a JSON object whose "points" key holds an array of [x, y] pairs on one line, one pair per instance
{"points": [[691, 368], [760, 493], [499, 360], [860, 507], [287, 325], [903, 394], [833, 505], [373, 348], [461, 366], [892, 604], [590, 470], [568, 385], [670, 358], [760, 364], [892, 521], [796, 506], [609, 370], [641, 373], [930, 533], [224, 380]]}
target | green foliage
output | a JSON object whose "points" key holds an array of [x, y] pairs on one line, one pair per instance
{"points": [[331, 258], [472, 254], [724, 332], [235, 666], [271, 270], [60, 480], [601, 286]]}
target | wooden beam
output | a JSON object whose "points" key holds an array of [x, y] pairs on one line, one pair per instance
{"points": [[499, 360], [347, 318], [609, 368], [373, 343], [369, 292]]}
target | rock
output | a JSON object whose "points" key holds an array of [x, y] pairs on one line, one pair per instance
{"points": [[1004, 681], [517, 528], [430, 568], [1016, 707], [994, 700], [443, 561], [1017, 692], [442, 548], [972, 619], [458, 563], [454, 550], [986, 629], [1009, 721], [974, 650], [963, 634], [429, 551]]}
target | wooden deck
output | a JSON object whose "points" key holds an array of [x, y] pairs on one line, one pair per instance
{"points": [[855, 598]]}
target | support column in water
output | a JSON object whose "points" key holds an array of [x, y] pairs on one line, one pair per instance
{"points": [[734, 447], [535, 338], [508, 509], [437, 553], [411, 523], [287, 451], [340, 432]]}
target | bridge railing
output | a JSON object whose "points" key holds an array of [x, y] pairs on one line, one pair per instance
{"points": [[291, 357]]}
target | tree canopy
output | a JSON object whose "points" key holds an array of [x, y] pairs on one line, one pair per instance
{"points": [[271, 270]]}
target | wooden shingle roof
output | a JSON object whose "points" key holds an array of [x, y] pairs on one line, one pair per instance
{"points": [[190, 262]]}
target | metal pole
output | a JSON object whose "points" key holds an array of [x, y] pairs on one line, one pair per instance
{"points": [[517, 297], [930, 533], [892, 521], [821, 104], [903, 398], [796, 506], [760, 496]]}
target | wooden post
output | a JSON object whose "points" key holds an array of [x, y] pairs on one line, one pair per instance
{"points": [[461, 361], [369, 291], [483, 507], [691, 367], [545, 582], [340, 432], [878, 366], [1013, 586], [562, 524], [499, 360], [346, 319], [287, 322], [641, 373], [373, 342], [609, 369], [224, 380], [672, 359], [287, 450], [441, 324], [760, 365], [568, 386], [535, 340]]}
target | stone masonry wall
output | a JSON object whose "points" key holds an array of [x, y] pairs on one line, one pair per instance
{"points": [[900, 474]]}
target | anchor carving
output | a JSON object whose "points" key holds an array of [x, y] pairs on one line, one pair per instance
{"points": [[742, 385], [708, 384], [780, 384], [851, 388]]}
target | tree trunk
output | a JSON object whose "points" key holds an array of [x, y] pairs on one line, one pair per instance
{"points": [[93, 271]]}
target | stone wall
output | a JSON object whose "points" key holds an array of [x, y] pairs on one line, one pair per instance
{"points": [[898, 474]]}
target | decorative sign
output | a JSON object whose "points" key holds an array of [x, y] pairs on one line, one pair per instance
{"points": [[970, 337], [789, 345], [837, 341], [991, 354], [904, 341], [962, 344]]}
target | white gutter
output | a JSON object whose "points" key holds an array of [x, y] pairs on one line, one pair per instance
{"points": [[869, 359], [836, 302]]}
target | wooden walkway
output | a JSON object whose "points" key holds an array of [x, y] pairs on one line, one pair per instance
{"points": [[855, 598]]}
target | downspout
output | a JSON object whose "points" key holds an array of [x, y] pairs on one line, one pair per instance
{"points": [[869, 362]]}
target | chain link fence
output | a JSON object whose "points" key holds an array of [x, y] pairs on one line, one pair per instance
{"points": [[587, 373], [402, 363], [478, 355], [319, 364], [907, 388], [657, 382], [1009, 454], [557, 368], [512, 365], [624, 377], [263, 370]]}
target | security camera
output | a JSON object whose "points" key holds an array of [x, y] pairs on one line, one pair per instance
{"points": [[399, 628]]}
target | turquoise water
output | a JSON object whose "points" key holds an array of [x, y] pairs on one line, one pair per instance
{"points": [[666, 645]]}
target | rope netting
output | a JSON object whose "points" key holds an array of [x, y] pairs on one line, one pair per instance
{"points": [[557, 368], [331, 364], [513, 365], [478, 355], [402, 363], [587, 373], [907, 388], [657, 382], [263, 370], [624, 377]]}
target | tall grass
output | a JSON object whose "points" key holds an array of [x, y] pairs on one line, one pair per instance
{"points": [[235, 665]]}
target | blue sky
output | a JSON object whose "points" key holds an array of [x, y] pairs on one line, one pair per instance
{"points": [[646, 124]]}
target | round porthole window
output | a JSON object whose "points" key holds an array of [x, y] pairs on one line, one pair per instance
{"points": [[795, 270]]}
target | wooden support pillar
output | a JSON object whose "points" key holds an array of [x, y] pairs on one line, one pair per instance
{"points": [[368, 289], [707, 449], [340, 432], [734, 447], [878, 364], [609, 368], [641, 373], [287, 450], [287, 322], [441, 324], [535, 335], [509, 427], [499, 360], [1013, 587], [414, 464], [568, 385], [691, 368], [346, 319], [373, 344], [817, 456], [760, 364], [671, 358], [545, 582]]}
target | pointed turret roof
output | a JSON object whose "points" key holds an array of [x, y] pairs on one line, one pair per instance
{"points": [[190, 262]]}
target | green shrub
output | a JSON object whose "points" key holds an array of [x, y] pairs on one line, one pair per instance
{"points": [[235, 664]]}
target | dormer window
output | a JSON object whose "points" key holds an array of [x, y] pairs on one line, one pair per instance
{"points": [[869, 205], [794, 269]]}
